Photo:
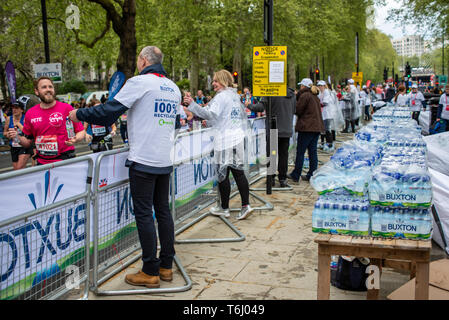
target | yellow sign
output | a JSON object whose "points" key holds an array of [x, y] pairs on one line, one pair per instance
{"points": [[357, 77], [270, 71]]}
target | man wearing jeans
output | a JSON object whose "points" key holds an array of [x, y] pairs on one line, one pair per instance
{"points": [[153, 103], [309, 125]]}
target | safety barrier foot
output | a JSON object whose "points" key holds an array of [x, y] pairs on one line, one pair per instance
{"points": [[187, 286], [241, 236]]}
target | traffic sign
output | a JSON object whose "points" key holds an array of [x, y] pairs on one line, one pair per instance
{"points": [[357, 77], [443, 80], [270, 71]]}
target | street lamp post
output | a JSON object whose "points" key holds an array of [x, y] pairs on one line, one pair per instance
{"points": [[44, 27]]}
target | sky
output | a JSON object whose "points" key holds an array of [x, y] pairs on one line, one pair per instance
{"points": [[390, 28]]}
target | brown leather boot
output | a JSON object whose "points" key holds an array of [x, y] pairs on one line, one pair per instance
{"points": [[166, 274], [142, 279]]}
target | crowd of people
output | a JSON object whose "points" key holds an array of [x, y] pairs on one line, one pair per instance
{"points": [[49, 130]]}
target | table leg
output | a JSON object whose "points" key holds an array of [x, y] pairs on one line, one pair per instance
{"points": [[373, 294], [422, 281], [324, 276]]}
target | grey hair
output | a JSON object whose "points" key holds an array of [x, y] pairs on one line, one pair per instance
{"points": [[153, 54]]}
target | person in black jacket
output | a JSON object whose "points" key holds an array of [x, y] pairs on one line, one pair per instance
{"points": [[283, 108], [390, 93]]}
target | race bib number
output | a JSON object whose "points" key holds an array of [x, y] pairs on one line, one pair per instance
{"points": [[98, 130], [447, 107], [413, 102], [47, 145]]}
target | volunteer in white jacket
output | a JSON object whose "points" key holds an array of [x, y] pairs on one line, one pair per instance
{"points": [[417, 101], [401, 98], [153, 105], [326, 101], [443, 107], [227, 116]]}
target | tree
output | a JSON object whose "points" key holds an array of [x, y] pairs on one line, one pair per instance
{"points": [[431, 15]]}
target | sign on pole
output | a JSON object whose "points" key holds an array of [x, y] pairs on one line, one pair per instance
{"points": [[357, 77], [51, 70], [270, 71]]}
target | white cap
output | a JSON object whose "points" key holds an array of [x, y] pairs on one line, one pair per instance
{"points": [[321, 83], [364, 87], [414, 86], [306, 82], [351, 81]]}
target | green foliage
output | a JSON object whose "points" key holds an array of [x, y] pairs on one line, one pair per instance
{"points": [[431, 15], [201, 36], [76, 86], [183, 84]]}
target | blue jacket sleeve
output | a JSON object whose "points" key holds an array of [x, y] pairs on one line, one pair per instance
{"points": [[102, 114], [439, 110]]}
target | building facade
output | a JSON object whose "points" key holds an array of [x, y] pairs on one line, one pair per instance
{"points": [[409, 46]]}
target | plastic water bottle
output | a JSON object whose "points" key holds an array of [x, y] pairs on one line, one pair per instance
{"points": [[326, 215], [426, 224], [353, 219], [386, 220], [343, 218], [317, 217], [70, 128], [364, 221], [334, 262]]}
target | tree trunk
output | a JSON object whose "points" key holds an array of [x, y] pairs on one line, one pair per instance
{"points": [[3, 81], [291, 72], [126, 61], [194, 68]]}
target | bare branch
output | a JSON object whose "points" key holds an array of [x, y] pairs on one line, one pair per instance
{"points": [[115, 18], [97, 38]]}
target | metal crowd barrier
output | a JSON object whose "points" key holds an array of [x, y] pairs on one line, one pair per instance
{"points": [[291, 162], [115, 237], [111, 248], [208, 196], [45, 233]]}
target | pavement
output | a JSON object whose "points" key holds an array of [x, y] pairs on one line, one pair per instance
{"points": [[276, 261]]}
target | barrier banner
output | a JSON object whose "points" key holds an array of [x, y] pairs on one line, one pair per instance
{"points": [[32, 191], [11, 80], [40, 247], [43, 246]]}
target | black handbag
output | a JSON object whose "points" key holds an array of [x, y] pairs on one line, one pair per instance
{"points": [[350, 275]]}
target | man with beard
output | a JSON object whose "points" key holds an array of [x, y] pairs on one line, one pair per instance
{"points": [[47, 124]]}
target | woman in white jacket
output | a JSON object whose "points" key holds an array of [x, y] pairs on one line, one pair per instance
{"points": [[400, 99], [328, 117], [227, 116]]}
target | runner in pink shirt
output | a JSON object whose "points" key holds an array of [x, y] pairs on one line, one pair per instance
{"points": [[46, 124]]}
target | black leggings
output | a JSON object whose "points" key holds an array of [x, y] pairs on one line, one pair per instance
{"points": [[415, 116], [225, 187]]}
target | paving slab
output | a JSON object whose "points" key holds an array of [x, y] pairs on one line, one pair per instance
{"points": [[276, 261]]}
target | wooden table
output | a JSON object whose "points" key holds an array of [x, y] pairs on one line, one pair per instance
{"points": [[412, 255]]}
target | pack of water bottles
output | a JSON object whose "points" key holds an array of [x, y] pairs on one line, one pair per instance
{"points": [[381, 177], [406, 223], [349, 169], [341, 212], [398, 185]]}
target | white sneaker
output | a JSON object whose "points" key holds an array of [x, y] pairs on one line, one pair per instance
{"points": [[219, 211], [246, 210], [328, 149]]}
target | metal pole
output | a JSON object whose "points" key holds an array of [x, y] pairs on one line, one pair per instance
{"points": [[357, 51], [442, 68], [269, 19], [44, 27]]}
